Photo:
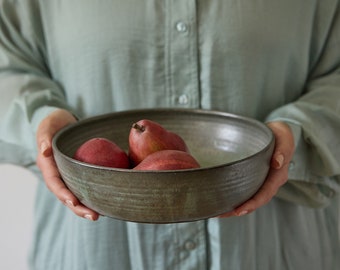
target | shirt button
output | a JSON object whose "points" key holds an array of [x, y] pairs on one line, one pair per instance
{"points": [[183, 99], [181, 27], [190, 245]]}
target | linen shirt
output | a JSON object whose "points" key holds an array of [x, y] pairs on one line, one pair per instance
{"points": [[271, 60]]}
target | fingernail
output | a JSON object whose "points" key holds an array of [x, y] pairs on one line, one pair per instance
{"points": [[89, 217], [69, 203], [44, 148], [242, 213], [278, 161]]}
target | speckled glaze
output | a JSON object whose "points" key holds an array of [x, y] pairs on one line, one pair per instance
{"points": [[234, 153]]}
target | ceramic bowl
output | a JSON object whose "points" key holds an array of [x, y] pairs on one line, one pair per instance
{"points": [[234, 153]]}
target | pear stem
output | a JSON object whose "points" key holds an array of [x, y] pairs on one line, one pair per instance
{"points": [[138, 127]]}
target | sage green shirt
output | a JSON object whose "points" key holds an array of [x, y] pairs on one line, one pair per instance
{"points": [[270, 60]]}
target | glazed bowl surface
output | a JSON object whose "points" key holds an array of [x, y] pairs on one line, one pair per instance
{"points": [[234, 153]]}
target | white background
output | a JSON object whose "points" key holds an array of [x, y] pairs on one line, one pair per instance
{"points": [[17, 194]]}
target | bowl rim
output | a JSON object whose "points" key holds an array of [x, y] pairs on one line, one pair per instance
{"points": [[164, 110]]}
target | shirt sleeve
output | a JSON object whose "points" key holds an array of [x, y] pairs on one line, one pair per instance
{"points": [[31, 94], [314, 175]]}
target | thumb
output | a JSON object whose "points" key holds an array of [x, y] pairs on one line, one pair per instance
{"points": [[49, 126], [284, 144]]}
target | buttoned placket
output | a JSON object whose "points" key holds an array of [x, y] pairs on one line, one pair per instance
{"points": [[182, 63], [190, 245], [182, 82]]}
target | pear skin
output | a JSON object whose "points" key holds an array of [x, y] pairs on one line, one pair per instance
{"points": [[168, 160], [102, 152], [147, 137]]}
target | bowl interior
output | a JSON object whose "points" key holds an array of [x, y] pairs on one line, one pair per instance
{"points": [[213, 138]]}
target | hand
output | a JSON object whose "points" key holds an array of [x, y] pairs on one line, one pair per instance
{"points": [[45, 161], [278, 172]]}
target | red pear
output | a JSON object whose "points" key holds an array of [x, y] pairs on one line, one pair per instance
{"points": [[102, 152], [147, 137], [168, 160]]}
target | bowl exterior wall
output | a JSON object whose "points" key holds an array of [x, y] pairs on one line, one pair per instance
{"points": [[162, 197]]}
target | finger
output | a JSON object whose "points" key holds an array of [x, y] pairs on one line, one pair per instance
{"points": [[84, 212], [275, 179], [59, 189], [228, 214], [53, 181]]}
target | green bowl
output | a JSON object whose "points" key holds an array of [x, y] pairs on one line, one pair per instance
{"points": [[234, 153]]}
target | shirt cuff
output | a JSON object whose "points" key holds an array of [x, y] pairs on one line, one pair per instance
{"points": [[40, 114]]}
